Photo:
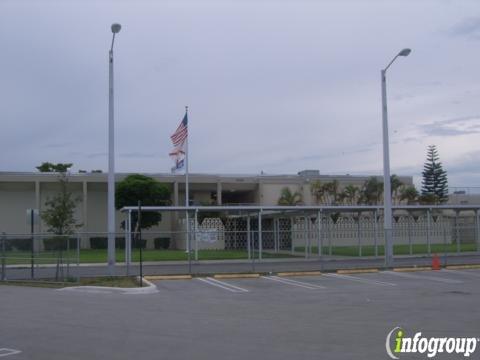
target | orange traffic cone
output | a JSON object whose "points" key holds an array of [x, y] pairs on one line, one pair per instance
{"points": [[435, 262]]}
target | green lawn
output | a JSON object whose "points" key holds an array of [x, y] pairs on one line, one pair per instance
{"points": [[100, 256], [369, 250]]}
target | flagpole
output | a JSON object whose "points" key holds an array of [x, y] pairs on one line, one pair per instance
{"points": [[187, 202]]}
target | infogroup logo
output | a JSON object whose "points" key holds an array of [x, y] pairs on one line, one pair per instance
{"points": [[401, 344]]}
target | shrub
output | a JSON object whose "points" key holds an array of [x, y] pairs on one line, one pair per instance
{"points": [[59, 243], [18, 244], [136, 243], [101, 242], [162, 243]]}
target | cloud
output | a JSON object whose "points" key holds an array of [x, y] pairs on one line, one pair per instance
{"points": [[57, 145], [137, 155], [469, 28], [465, 125]]}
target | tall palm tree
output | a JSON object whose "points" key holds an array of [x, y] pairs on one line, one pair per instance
{"points": [[287, 198], [372, 190], [396, 184]]}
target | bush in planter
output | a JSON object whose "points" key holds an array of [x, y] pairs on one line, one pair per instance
{"points": [[59, 243], [18, 244], [136, 243], [98, 242], [101, 242], [162, 243]]}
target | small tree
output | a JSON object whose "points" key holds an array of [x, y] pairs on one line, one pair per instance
{"points": [[434, 181], [59, 212], [146, 189]]}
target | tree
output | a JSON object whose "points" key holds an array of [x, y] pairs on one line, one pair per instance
{"points": [[372, 191], [59, 212], [395, 185], [50, 167], [434, 181], [142, 188], [350, 194], [287, 198], [410, 194], [318, 192]]}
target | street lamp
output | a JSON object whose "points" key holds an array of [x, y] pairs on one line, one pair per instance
{"points": [[111, 161], [387, 194]]}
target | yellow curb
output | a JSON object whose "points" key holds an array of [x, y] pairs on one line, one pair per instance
{"points": [[168, 277], [420, 268], [458, 267], [235, 276], [299, 273], [357, 271]]}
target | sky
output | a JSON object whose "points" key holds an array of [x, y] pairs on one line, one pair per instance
{"points": [[273, 86]]}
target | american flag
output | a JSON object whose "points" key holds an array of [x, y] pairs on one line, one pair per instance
{"points": [[180, 135]]}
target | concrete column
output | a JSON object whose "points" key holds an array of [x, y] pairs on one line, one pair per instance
{"points": [[175, 193], [219, 193]]}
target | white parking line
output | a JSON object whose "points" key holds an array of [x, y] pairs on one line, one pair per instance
{"points": [[8, 352], [422, 277], [362, 280], [458, 272], [223, 285], [294, 283]]}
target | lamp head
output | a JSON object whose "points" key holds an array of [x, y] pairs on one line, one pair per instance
{"points": [[116, 28], [404, 52]]}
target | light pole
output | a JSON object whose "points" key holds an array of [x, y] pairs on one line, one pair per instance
{"points": [[387, 194], [111, 161]]}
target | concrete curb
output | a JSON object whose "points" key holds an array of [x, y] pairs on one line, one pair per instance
{"points": [[167, 277], [148, 289], [236, 276], [459, 267], [357, 271], [298, 273], [411, 269]]}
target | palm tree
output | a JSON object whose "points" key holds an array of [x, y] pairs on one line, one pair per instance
{"points": [[395, 186], [287, 198], [372, 190], [410, 194], [350, 193], [318, 191]]}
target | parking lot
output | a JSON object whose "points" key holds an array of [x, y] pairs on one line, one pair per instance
{"points": [[331, 316]]}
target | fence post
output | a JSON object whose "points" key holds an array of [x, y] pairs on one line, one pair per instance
{"points": [[409, 228], [457, 231], [358, 237], [68, 257], [78, 257], [32, 270], [329, 233], [139, 222], [248, 238], [477, 221], [375, 232], [429, 249], [305, 234], [195, 234], [127, 242], [292, 225], [260, 245], [3, 257], [319, 229]]}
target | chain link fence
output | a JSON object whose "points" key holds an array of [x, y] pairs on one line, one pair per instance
{"points": [[242, 239]]}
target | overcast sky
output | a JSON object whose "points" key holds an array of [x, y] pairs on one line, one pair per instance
{"points": [[272, 86]]}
